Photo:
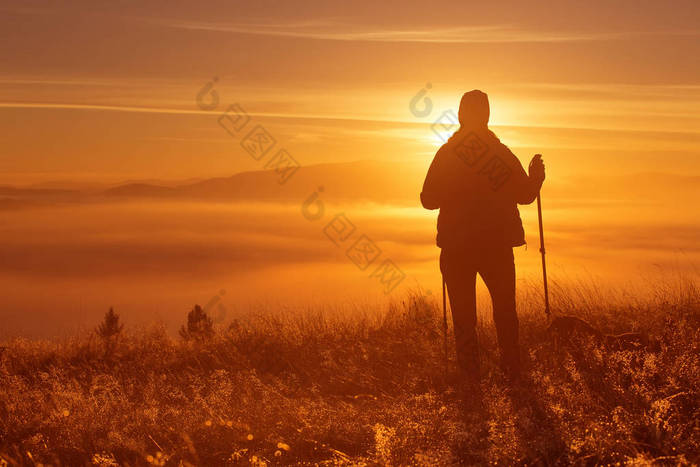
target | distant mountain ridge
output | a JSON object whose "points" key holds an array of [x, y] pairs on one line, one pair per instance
{"points": [[356, 181], [360, 181]]}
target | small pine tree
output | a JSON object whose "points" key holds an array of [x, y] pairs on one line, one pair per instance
{"points": [[110, 327], [199, 326]]}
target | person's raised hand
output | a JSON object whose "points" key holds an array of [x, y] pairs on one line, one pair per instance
{"points": [[536, 168]]}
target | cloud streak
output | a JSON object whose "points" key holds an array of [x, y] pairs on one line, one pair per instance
{"points": [[456, 34], [322, 117]]}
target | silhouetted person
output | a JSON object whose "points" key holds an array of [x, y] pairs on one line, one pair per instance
{"points": [[477, 183]]}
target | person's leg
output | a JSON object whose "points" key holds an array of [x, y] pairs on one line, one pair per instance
{"points": [[497, 268], [460, 276]]}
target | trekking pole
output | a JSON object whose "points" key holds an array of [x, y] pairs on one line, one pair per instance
{"points": [[544, 264], [444, 322]]}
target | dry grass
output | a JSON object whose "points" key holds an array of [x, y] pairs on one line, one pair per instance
{"points": [[371, 390]]}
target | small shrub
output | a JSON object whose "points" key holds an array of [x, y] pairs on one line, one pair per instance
{"points": [[199, 327], [110, 326]]}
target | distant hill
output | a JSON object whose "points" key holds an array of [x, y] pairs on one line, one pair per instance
{"points": [[356, 181], [35, 192], [364, 181], [10, 204], [12, 198], [140, 190]]}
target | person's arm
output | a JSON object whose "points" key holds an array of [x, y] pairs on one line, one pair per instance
{"points": [[432, 195], [527, 186], [534, 180]]}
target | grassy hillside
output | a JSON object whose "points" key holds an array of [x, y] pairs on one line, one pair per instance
{"points": [[361, 390]]}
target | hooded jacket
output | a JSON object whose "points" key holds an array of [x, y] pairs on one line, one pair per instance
{"points": [[477, 183]]}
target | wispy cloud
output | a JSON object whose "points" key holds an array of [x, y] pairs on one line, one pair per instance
{"points": [[175, 111], [458, 34], [113, 108], [327, 118]]}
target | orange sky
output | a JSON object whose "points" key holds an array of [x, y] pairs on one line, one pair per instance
{"points": [[97, 94], [106, 92]]}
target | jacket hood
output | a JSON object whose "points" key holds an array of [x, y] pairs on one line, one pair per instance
{"points": [[474, 109]]}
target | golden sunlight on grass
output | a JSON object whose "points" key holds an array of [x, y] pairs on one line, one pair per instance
{"points": [[275, 388]]}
